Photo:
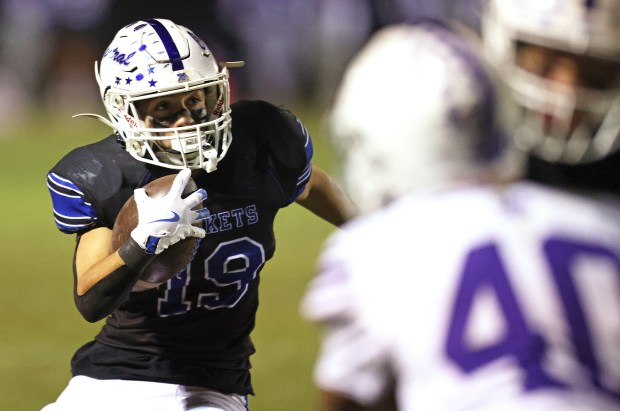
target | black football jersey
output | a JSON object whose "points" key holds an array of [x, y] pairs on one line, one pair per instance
{"points": [[195, 328]]}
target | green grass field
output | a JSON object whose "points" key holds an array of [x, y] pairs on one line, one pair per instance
{"points": [[41, 327]]}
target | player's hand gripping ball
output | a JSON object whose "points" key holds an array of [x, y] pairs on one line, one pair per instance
{"points": [[171, 261]]}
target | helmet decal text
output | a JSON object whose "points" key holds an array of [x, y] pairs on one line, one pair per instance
{"points": [[119, 57]]}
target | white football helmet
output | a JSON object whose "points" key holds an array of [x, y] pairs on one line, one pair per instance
{"points": [[418, 109], [155, 58], [562, 123]]}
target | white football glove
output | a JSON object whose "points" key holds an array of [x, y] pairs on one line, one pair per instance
{"points": [[165, 221]]}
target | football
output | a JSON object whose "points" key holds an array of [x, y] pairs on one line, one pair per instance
{"points": [[172, 260]]}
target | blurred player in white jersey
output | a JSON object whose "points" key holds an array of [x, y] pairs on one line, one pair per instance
{"points": [[461, 288]]}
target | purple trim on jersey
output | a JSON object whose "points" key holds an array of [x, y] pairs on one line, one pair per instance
{"points": [[71, 212], [168, 42]]}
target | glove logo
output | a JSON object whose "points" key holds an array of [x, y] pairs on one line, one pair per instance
{"points": [[172, 219]]}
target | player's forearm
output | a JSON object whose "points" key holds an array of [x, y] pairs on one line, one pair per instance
{"points": [[106, 285], [103, 281], [326, 199], [107, 294], [87, 278]]}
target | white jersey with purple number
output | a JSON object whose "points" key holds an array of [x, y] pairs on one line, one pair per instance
{"points": [[474, 299]]}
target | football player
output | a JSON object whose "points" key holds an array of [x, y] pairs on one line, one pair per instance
{"points": [[461, 288], [561, 61], [185, 344]]}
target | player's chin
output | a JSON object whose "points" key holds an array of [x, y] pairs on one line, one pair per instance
{"points": [[166, 145]]}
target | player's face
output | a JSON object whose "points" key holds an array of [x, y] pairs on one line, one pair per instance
{"points": [[568, 71], [177, 110], [567, 68]]}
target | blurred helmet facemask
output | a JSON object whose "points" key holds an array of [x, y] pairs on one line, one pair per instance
{"points": [[156, 58], [560, 123]]}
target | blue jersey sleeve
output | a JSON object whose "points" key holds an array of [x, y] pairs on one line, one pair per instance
{"points": [[304, 177], [72, 212]]}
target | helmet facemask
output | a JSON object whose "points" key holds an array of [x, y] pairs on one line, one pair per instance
{"points": [[570, 122], [151, 136], [569, 119]]}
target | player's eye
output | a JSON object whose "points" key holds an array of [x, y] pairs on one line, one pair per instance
{"points": [[194, 101], [534, 59]]}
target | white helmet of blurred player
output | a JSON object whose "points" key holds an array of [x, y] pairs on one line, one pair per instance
{"points": [[572, 122], [155, 58], [416, 109]]}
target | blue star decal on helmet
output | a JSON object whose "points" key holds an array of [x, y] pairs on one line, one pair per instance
{"points": [[152, 82], [128, 80], [118, 80], [181, 76], [151, 70]]}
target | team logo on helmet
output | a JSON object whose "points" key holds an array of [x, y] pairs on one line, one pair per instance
{"points": [[117, 56]]}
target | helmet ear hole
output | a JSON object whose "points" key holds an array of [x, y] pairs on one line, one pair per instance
{"points": [[114, 100], [118, 102]]}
